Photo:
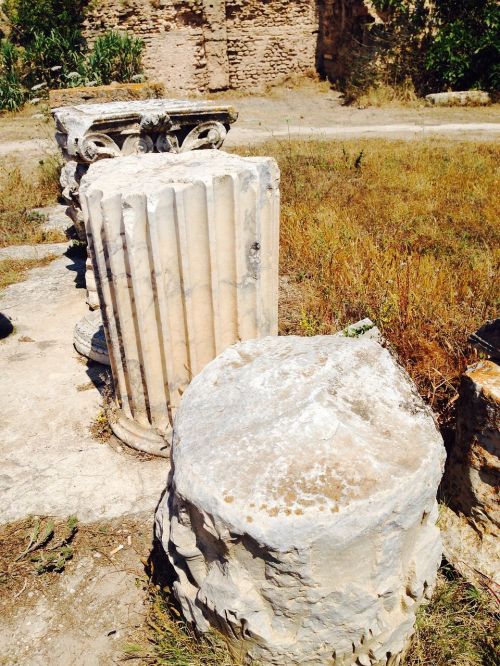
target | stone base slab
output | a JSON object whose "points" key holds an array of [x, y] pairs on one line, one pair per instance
{"points": [[141, 438], [116, 92]]}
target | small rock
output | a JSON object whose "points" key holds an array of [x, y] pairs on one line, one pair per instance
{"points": [[487, 338]]}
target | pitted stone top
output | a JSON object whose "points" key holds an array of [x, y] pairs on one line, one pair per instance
{"points": [[278, 435], [146, 174], [82, 116]]}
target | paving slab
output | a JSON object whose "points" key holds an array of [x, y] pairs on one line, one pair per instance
{"points": [[51, 465]]}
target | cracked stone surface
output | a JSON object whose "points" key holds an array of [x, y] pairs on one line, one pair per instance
{"points": [[50, 462], [295, 460]]}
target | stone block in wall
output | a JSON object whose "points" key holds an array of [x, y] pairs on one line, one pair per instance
{"points": [[217, 65], [301, 512], [116, 92]]}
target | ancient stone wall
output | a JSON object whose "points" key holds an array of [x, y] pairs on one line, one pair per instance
{"points": [[269, 40], [198, 45]]}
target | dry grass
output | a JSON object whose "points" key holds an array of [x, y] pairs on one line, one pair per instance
{"points": [[458, 628], [406, 233], [20, 192], [169, 641], [15, 270], [382, 95]]}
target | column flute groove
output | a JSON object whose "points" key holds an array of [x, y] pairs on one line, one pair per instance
{"points": [[184, 249]]}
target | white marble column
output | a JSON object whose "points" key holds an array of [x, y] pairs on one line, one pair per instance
{"points": [[185, 253], [87, 133]]}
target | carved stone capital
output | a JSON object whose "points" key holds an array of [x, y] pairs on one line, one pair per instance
{"points": [[88, 133]]}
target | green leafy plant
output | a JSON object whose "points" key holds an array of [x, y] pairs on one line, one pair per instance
{"points": [[465, 49], [115, 56], [51, 57], [47, 553], [46, 49], [12, 94]]}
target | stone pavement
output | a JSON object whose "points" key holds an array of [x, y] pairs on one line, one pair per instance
{"points": [[50, 462]]}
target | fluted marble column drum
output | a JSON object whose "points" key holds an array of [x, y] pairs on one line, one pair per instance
{"points": [[185, 253]]}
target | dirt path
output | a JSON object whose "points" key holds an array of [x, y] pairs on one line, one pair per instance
{"points": [[312, 111], [51, 465], [308, 111]]}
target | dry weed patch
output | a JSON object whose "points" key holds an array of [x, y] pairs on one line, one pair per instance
{"points": [[20, 192], [30, 548], [168, 641], [460, 627], [406, 233], [36, 550]]}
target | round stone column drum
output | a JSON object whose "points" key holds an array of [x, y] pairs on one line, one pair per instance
{"points": [[185, 255], [301, 512]]}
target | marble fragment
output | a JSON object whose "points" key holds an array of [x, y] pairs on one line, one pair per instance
{"points": [[301, 512]]}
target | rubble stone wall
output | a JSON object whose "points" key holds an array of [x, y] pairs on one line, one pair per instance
{"points": [[199, 45]]}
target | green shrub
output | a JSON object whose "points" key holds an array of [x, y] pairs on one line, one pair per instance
{"points": [[465, 50], [29, 18], [12, 94], [49, 58], [115, 56], [435, 45]]}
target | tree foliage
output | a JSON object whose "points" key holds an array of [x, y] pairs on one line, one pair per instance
{"points": [[439, 44], [30, 18], [45, 49]]}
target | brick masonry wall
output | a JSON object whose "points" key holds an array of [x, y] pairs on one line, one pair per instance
{"points": [[269, 40]]}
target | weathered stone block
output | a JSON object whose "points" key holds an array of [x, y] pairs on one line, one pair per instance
{"points": [[301, 511], [459, 98], [185, 254], [116, 92], [472, 480]]}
